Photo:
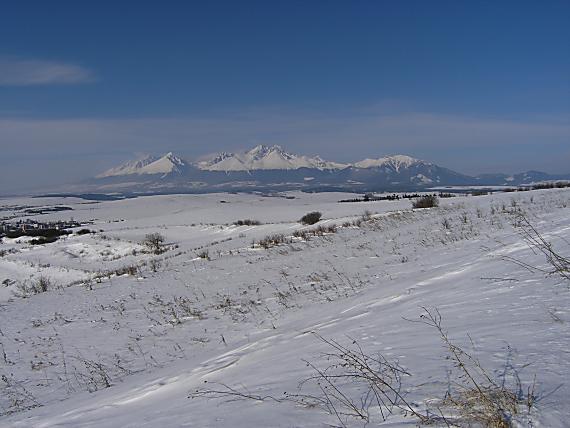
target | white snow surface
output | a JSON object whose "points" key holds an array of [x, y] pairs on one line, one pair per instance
{"points": [[128, 350]]}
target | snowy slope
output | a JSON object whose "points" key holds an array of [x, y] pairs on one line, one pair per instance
{"points": [[244, 318]]}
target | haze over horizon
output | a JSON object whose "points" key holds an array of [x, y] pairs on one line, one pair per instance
{"points": [[476, 87]]}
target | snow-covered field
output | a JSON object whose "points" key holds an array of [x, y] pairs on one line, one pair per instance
{"points": [[127, 338]]}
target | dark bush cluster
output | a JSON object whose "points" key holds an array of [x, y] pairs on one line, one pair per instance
{"points": [[311, 218], [393, 197], [44, 240], [557, 185], [44, 233], [83, 232], [247, 222], [426, 201], [204, 254]]}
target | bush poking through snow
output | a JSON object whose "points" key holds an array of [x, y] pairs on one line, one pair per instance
{"points": [[96, 375], [204, 254], [272, 241], [19, 397], [154, 242], [378, 379], [41, 285], [477, 398], [321, 230], [559, 265], [311, 218], [426, 201]]}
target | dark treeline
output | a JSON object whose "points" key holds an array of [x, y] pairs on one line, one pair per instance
{"points": [[395, 197]]}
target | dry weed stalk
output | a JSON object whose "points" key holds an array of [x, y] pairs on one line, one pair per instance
{"points": [[476, 396], [559, 265]]}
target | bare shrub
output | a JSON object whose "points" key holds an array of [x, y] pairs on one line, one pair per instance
{"points": [[323, 230], [272, 241], [303, 234], [17, 395], [318, 231], [96, 375], [154, 242], [130, 270], [352, 384], [154, 265], [559, 265], [366, 215], [476, 397], [348, 371], [311, 218], [29, 288]]}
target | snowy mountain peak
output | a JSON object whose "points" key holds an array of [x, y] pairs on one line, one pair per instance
{"points": [[264, 157], [258, 151], [168, 163], [395, 162], [261, 151], [129, 167]]}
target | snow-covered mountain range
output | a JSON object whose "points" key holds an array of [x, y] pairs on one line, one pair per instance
{"points": [[259, 158], [265, 158], [272, 167]]}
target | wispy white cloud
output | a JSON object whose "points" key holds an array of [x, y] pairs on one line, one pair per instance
{"points": [[30, 72]]}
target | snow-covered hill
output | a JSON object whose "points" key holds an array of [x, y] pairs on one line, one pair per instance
{"points": [[113, 347]]}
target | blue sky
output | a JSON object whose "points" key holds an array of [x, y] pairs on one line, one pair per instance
{"points": [[477, 86]]}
